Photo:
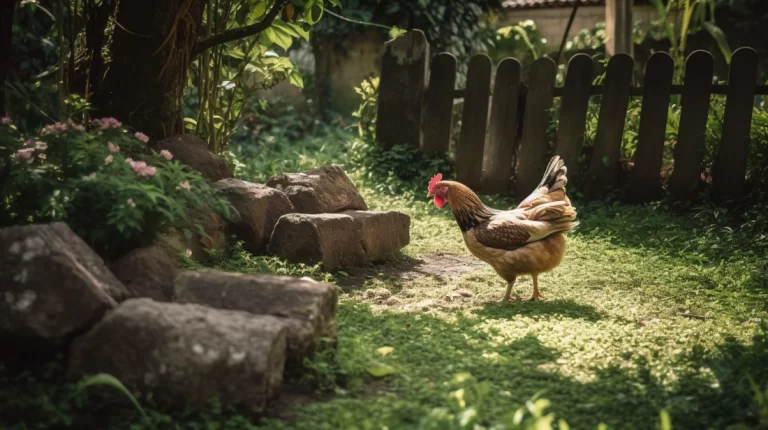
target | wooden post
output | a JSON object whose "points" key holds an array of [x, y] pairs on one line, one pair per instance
{"points": [[573, 111], [469, 151], [401, 90], [439, 103], [645, 184], [501, 148], [691, 136], [618, 27], [533, 147]]}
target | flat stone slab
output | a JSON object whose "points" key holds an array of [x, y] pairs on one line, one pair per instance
{"points": [[186, 355], [52, 287], [259, 208], [326, 189], [307, 307]]}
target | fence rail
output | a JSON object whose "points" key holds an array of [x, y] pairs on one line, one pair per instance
{"points": [[416, 101]]}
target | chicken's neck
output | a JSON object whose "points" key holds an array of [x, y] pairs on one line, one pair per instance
{"points": [[467, 208]]}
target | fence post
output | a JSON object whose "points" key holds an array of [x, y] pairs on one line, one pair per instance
{"points": [[689, 150], [401, 90], [533, 147], [730, 169], [469, 151], [438, 113], [603, 166], [573, 110], [645, 179], [501, 147]]}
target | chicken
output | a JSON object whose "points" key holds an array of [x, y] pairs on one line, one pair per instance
{"points": [[527, 240]]}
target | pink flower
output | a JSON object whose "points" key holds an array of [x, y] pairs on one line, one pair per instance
{"points": [[108, 160], [28, 142], [166, 154], [74, 126], [55, 128], [130, 203], [142, 137], [185, 185], [5, 120], [112, 147], [107, 123], [188, 252], [141, 168], [41, 146], [25, 155]]}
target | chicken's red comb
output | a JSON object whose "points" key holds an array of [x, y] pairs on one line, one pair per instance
{"points": [[435, 179]]}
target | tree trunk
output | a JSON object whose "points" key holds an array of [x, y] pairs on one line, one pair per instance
{"points": [[7, 9], [151, 51]]}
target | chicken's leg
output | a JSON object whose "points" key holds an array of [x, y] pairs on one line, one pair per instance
{"points": [[536, 294], [507, 295]]}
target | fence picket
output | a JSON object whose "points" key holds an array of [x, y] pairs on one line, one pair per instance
{"points": [[689, 150], [573, 110], [533, 147], [728, 175], [401, 90], [603, 165], [469, 151], [645, 181], [501, 148], [438, 109]]}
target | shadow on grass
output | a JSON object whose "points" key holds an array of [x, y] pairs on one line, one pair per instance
{"points": [[565, 308]]}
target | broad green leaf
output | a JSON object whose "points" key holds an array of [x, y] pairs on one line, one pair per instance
{"points": [[296, 80], [313, 11], [379, 370], [664, 421], [722, 41], [111, 381]]}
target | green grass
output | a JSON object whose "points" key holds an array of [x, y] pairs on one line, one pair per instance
{"points": [[654, 307]]}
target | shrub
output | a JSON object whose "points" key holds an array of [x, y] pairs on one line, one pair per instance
{"points": [[105, 182]]}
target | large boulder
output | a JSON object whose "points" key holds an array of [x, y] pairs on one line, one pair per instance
{"points": [[383, 233], [326, 189], [331, 239], [308, 307], [191, 150], [214, 235], [52, 287], [259, 207], [147, 272], [182, 355]]}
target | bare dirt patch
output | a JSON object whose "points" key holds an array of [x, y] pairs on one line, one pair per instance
{"points": [[441, 266]]}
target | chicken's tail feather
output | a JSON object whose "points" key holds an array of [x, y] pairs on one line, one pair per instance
{"points": [[555, 175]]}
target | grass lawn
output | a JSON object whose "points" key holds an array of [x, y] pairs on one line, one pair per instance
{"points": [[654, 307]]}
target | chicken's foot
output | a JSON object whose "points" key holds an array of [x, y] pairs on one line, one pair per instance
{"points": [[536, 294], [507, 296]]}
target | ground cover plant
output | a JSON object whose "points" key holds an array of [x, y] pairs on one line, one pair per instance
{"points": [[656, 316]]}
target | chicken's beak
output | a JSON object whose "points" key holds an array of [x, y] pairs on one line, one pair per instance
{"points": [[430, 195]]}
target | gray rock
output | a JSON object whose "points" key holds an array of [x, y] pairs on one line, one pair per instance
{"points": [[52, 287], [326, 189], [307, 307], [259, 208], [383, 233], [147, 272], [193, 151], [182, 355], [335, 240]]}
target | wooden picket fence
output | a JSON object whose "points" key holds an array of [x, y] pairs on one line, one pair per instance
{"points": [[416, 107]]}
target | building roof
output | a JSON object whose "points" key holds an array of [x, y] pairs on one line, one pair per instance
{"points": [[536, 4]]}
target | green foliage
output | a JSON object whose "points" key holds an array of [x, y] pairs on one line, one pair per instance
{"points": [[106, 183], [110, 381], [367, 112], [225, 76], [521, 41], [455, 26]]}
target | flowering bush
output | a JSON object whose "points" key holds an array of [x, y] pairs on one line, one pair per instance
{"points": [[106, 183]]}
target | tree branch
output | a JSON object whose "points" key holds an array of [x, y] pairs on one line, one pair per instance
{"points": [[241, 32]]}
